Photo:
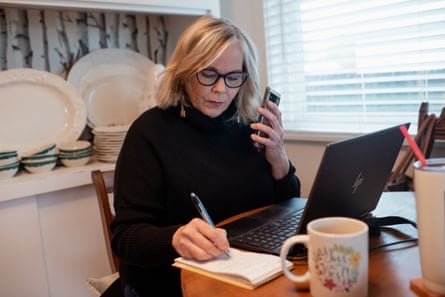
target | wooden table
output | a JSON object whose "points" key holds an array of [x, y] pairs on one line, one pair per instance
{"points": [[390, 268]]}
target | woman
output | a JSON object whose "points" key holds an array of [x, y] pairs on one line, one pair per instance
{"points": [[198, 139]]}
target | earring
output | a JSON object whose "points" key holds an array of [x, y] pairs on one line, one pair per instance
{"points": [[182, 111]]}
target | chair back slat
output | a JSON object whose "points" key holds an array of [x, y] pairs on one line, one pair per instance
{"points": [[103, 182]]}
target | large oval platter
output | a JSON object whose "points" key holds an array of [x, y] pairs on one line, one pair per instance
{"points": [[38, 109]]}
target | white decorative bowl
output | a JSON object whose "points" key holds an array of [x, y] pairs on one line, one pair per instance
{"points": [[7, 153], [75, 146], [46, 150], [75, 161], [8, 158], [9, 171], [38, 158], [72, 154], [39, 167]]}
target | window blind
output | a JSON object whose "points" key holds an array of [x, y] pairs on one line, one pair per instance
{"points": [[355, 65]]}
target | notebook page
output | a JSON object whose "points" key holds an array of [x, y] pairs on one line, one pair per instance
{"points": [[256, 268]]}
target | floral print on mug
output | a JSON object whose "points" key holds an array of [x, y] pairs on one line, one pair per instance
{"points": [[337, 267]]}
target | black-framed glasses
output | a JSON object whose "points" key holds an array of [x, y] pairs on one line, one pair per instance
{"points": [[208, 77]]}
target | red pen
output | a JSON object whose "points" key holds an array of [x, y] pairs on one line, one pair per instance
{"points": [[414, 147]]}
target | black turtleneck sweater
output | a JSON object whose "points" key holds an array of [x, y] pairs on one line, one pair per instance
{"points": [[163, 159]]}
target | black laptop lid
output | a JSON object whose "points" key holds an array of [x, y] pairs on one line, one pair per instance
{"points": [[352, 175]]}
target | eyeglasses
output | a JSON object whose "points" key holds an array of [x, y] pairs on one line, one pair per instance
{"points": [[233, 79]]}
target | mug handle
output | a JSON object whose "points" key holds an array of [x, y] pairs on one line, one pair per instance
{"points": [[291, 241]]}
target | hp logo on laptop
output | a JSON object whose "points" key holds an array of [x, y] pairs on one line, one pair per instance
{"points": [[358, 181]]}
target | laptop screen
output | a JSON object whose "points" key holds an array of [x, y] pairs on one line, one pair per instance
{"points": [[349, 182], [352, 175]]}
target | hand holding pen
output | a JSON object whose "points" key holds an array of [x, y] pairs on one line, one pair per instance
{"points": [[203, 212], [199, 240]]}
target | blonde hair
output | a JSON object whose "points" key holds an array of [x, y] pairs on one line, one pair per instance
{"points": [[201, 44]]}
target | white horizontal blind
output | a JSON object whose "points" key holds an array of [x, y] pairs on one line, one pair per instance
{"points": [[355, 65]]}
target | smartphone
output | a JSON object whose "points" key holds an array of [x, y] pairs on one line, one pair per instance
{"points": [[269, 95]]}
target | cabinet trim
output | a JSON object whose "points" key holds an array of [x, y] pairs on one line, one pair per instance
{"points": [[191, 7], [61, 178]]}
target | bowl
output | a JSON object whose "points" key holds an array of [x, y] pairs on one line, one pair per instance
{"points": [[46, 150], [9, 171], [39, 167], [76, 153], [8, 158], [75, 161], [8, 153], [38, 158], [75, 146]]}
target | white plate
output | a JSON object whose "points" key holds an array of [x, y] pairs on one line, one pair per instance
{"points": [[38, 108], [107, 78], [108, 139], [111, 130], [107, 159], [105, 60], [113, 100]]}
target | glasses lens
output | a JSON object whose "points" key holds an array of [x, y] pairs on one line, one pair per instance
{"points": [[207, 77], [235, 79]]}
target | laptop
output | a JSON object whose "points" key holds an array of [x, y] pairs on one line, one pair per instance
{"points": [[349, 182]]}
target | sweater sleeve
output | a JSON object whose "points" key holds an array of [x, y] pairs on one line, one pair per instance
{"points": [[141, 231], [288, 186]]}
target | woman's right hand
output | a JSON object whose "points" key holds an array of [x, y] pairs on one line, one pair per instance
{"points": [[199, 241]]}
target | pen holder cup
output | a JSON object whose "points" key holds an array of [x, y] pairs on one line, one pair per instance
{"points": [[429, 188]]}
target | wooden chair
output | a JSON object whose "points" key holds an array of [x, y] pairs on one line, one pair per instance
{"points": [[439, 127], [103, 182], [399, 180]]}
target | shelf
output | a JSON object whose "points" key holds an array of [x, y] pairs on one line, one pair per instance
{"points": [[191, 7], [26, 184]]}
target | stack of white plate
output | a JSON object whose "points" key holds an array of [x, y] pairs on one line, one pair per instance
{"points": [[108, 142], [9, 164]]}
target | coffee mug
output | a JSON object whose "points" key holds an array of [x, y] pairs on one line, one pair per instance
{"points": [[337, 257], [429, 189]]}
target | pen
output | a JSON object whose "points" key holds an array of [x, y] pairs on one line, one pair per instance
{"points": [[414, 147], [203, 212]]}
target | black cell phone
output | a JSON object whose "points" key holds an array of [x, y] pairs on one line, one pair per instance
{"points": [[269, 95]]}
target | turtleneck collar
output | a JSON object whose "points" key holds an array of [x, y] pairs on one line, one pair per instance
{"points": [[205, 123]]}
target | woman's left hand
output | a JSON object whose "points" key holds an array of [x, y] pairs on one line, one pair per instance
{"points": [[273, 140]]}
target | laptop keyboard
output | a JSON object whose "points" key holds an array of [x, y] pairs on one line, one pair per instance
{"points": [[272, 235]]}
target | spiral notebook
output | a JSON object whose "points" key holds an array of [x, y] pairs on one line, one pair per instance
{"points": [[247, 270]]}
